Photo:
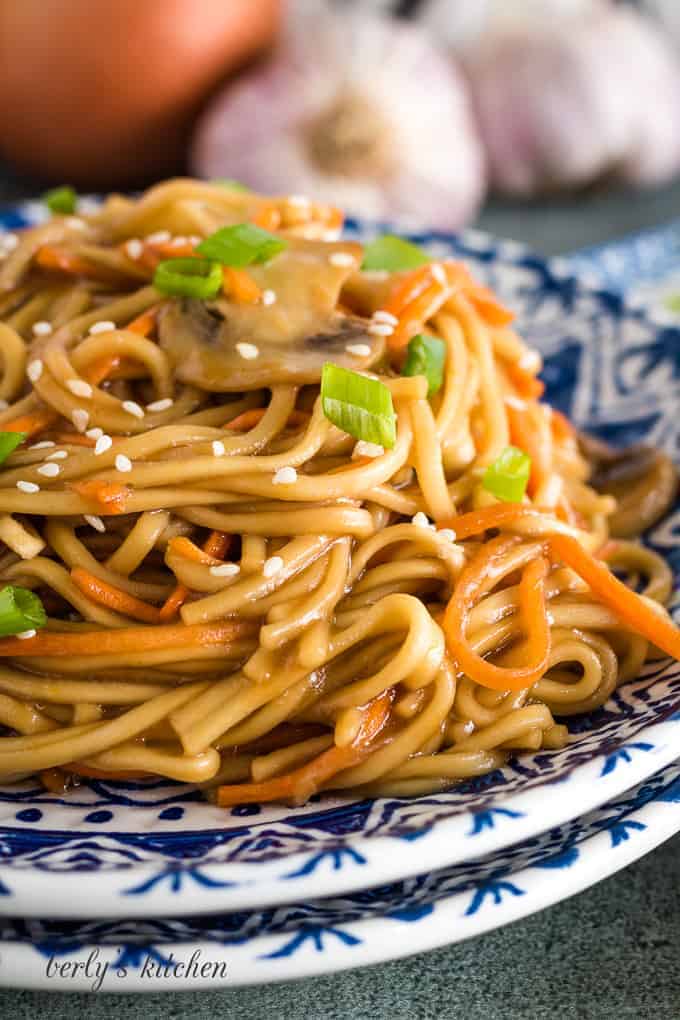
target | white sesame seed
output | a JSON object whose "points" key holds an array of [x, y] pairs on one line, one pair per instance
{"points": [[73, 223], [448, 534], [80, 418], [366, 449], [519, 405], [87, 204], [24, 635], [44, 445], [439, 273], [159, 237], [8, 242], [195, 239], [530, 360], [360, 350], [49, 470], [179, 241], [300, 200], [285, 476], [95, 522], [104, 326], [552, 491], [134, 248], [248, 351], [133, 408], [3, 404], [57, 455], [27, 486], [123, 463], [103, 444], [420, 520], [341, 258], [34, 370], [268, 297], [385, 317], [41, 328], [225, 570], [218, 448], [272, 566], [380, 329], [94, 433], [160, 405], [79, 388]]}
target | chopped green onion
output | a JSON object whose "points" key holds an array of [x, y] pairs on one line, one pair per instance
{"points": [[20, 610], [393, 253], [229, 182], [190, 277], [241, 244], [360, 406], [672, 303], [507, 477], [61, 200], [426, 356], [9, 442]]}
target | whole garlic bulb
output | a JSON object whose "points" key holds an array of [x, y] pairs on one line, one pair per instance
{"points": [[562, 104], [357, 109]]}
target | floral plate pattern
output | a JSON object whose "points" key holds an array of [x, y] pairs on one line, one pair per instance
{"points": [[125, 849]]}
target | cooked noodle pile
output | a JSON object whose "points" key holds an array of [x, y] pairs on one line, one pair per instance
{"points": [[241, 594]]}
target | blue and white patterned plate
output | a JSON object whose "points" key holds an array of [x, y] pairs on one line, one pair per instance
{"points": [[303, 939], [125, 849]]}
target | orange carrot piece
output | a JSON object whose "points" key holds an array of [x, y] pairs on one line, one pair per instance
{"points": [[562, 429], [57, 259], [497, 516], [268, 216], [528, 387], [32, 423], [214, 549], [106, 594], [249, 419], [183, 546], [239, 285], [144, 323], [525, 435], [173, 603], [109, 496], [408, 289]]}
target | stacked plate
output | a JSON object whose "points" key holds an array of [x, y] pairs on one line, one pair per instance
{"points": [[264, 894]]}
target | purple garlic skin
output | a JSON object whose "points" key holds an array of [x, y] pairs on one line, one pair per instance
{"points": [[562, 104], [358, 110]]}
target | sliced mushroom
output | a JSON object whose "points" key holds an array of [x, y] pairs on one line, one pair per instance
{"points": [[293, 334], [644, 482]]}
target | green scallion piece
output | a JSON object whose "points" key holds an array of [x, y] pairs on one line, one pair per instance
{"points": [[393, 253], [241, 245], [229, 182], [426, 356], [360, 406], [188, 277], [20, 610], [61, 200], [507, 477], [9, 442]]}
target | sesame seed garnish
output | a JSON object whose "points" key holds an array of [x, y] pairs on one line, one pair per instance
{"points": [[385, 317], [34, 370], [530, 361], [73, 223], [218, 448], [94, 433], [57, 455], [268, 297], [365, 449], [24, 635], [49, 470], [27, 486], [516, 402], [123, 463], [179, 241], [8, 242], [341, 258], [285, 476], [134, 248], [3, 404], [272, 566], [159, 237], [380, 329], [360, 350], [103, 444], [79, 388], [95, 522], [87, 205], [420, 520], [160, 405], [80, 417], [248, 351], [300, 200], [225, 570], [41, 328], [194, 239], [448, 534], [439, 273], [104, 326], [133, 408], [44, 445]]}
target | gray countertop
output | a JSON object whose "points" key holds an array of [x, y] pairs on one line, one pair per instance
{"points": [[610, 952]]}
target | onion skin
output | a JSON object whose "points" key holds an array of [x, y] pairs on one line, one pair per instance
{"points": [[103, 93]]}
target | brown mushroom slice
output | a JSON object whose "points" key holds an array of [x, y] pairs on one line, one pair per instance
{"points": [[644, 482], [225, 346]]}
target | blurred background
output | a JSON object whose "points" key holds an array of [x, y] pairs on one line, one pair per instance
{"points": [[556, 121]]}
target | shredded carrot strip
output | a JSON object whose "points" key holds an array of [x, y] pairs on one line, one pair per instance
{"points": [[74, 439], [184, 547], [632, 609], [415, 314], [527, 385], [496, 516], [217, 544], [144, 323], [126, 639], [532, 607], [525, 435], [110, 496], [113, 598], [302, 783], [168, 250], [249, 419], [53, 258], [240, 285], [408, 289], [332, 217], [562, 428], [32, 423], [102, 369], [214, 550], [267, 216]]}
